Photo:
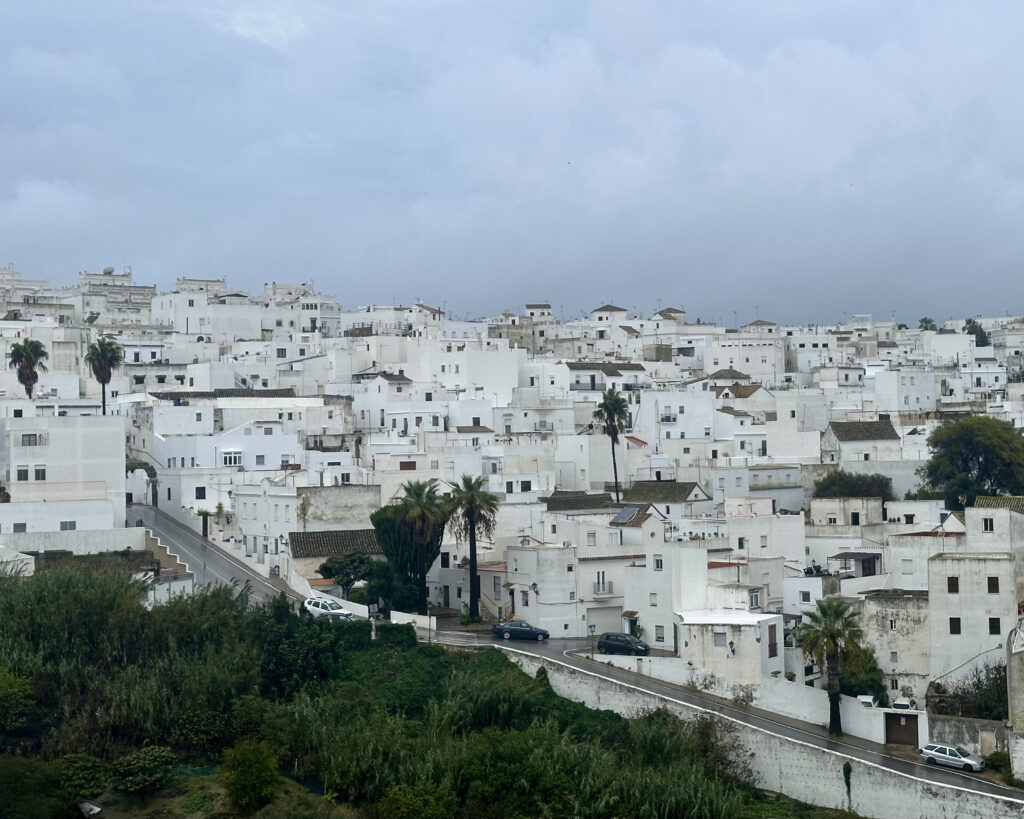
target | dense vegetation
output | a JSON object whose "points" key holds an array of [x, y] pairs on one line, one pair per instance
{"points": [[841, 484], [96, 691]]}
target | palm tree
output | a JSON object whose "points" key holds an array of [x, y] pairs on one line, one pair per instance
{"points": [[27, 359], [926, 323], [828, 635], [613, 413], [473, 510], [409, 532], [103, 357]]}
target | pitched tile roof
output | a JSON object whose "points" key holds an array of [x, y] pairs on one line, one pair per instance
{"points": [[395, 379], [608, 308], [539, 306], [567, 501], [334, 542], [606, 367], [636, 441], [864, 430], [1014, 503], [474, 429], [659, 492], [737, 390], [729, 372]]}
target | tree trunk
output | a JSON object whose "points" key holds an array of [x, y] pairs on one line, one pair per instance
{"points": [[103, 390], [615, 472], [835, 719], [474, 589]]}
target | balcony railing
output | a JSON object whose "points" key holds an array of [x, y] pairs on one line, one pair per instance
{"points": [[586, 385], [604, 588], [669, 419]]}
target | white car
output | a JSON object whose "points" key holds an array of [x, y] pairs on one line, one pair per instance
{"points": [[325, 607], [935, 753]]}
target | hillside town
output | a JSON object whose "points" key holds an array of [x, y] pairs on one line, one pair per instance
{"points": [[274, 423]]}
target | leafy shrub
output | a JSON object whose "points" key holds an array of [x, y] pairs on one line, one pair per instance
{"points": [[396, 636], [82, 776], [424, 800], [30, 789], [250, 775], [199, 800], [143, 771], [15, 699]]}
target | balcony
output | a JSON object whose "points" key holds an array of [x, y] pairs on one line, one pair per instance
{"points": [[586, 385], [604, 589], [669, 419]]}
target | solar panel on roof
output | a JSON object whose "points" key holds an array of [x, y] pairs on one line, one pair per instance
{"points": [[626, 514]]}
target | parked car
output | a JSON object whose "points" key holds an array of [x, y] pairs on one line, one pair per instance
{"points": [[867, 700], [325, 607], [953, 755], [904, 704], [622, 644], [519, 630]]}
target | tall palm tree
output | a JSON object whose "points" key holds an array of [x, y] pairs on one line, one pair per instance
{"points": [[27, 360], [409, 532], [613, 414], [473, 510], [103, 357], [828, 635]]}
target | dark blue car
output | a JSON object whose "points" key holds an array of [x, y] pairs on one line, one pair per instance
{"points": [[519, 630]]}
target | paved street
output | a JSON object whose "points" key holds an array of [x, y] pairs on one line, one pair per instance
{"points": [[576, 653], [207, 561]]}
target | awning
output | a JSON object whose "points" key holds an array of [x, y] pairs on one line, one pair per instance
{"points": [[854, 555]]}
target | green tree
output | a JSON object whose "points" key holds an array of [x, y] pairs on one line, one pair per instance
{"points": [[975, 456], [613, 414], [973, 327], [829, 634], [473, 511], [926, 323], [390, 587], [250, 775], [27, 360], [410, 532], [861, 674], [346, 570], [103, 357], [842, 484], [424, 800]]}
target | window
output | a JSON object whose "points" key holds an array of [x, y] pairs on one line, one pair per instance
{"points": [[199, 416], [893, 656], [988, 524], [892, 625], [261, 460], [282, 352], [659, 563], [268, 430], [232, 459], [954, 625], [568, 567], [525, 598], [525, 486], [906, 566], [591, 536], [993, 625], [953, 585], [458, 592], [805, 597], [719, 639], [572, 595], [18, 527], [18, 414], [40, 473], [29, 439], [894, 684], [659, 634], [755, 600], [200, 493], [68, 525], [764, 541], [445, 560], [508, 487], [22, 473], [654, 599], [741, 543], [773, 641], [993, 585]]}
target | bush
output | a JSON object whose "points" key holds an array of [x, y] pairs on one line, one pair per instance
{"points": [[30, 789], [396, 636], [250, 775], [424, 800], [144, 771], [82, 776]]}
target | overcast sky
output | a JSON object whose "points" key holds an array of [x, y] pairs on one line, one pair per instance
{"points": [[795, 161]]}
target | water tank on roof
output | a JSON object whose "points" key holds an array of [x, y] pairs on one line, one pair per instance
{"points": [[108, 271]]}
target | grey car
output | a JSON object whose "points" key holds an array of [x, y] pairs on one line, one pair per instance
{"points": [[935, 753], [613, 643]]}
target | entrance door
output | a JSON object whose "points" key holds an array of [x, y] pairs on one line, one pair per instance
{"points": [[445, 595]]}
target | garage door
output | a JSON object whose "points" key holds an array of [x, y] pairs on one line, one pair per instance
{"points": [[606, 618], [901, 729]]}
